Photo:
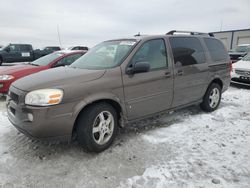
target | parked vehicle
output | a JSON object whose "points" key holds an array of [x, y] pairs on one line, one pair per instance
{"points": [[239, 52], [52, 48], [21, 53], [119, 81], [85, 48], [241, 71], [10, 74]]}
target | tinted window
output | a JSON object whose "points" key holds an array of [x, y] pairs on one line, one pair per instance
{"points": [[187, 51], [69, 59], [25, 48], [216, 49], [14, 48], [153, 52], [80, 48], [52, 48]]}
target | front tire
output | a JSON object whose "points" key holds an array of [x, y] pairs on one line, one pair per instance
{"points": [[97, 127], [212, 98]]}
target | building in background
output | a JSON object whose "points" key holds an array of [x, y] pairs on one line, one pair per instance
{"points": [[233, 38]]}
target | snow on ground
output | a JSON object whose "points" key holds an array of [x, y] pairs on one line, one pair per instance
{"points": [[207, 146], [187, 148]]}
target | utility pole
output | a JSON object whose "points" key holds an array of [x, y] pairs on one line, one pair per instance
{"points": [[221, 23], [59, 38]]}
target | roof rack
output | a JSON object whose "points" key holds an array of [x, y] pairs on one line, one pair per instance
{"points": [[190, 32]]}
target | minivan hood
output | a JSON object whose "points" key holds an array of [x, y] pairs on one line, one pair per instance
{"points": [[56, 77]]}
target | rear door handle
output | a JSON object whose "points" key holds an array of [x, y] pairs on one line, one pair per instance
{"points": [[180, 72]]}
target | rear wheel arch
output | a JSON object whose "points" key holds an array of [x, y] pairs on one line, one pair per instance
{"points": [[217, 81], [211, 99]]}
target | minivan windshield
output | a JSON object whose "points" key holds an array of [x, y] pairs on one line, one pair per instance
{"points": [[105, 55], [46, 60]]}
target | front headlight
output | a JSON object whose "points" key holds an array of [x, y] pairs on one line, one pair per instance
{"points": [[44, 97], [6, 77]]}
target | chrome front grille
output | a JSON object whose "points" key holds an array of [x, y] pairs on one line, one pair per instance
{"points": [[13, 96], [242, 72]]}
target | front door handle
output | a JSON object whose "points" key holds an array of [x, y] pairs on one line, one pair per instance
{"points": [[167, 74], [180, 72]]}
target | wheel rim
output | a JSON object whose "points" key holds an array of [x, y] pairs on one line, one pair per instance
{"points": [[103, 127], [214, 97]]}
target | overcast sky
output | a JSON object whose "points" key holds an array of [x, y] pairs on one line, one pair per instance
{"points": [[90, 22]]}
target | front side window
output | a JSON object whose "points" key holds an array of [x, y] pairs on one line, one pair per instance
{"points": [[105, 55], [14, 48], [153, 52], [187, 51]]}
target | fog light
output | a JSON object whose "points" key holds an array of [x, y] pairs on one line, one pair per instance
{"points": [[30, 117]]}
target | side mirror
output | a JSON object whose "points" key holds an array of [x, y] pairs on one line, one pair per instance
{"points": [[138, 67]]}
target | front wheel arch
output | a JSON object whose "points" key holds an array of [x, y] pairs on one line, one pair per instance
{"points": [[89, 140], [113, 103]]}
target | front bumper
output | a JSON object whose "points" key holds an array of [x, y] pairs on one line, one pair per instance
{"points": [[49, 123], [240, 79]]}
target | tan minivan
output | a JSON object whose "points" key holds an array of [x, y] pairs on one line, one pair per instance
{"points": [[119, 81]]}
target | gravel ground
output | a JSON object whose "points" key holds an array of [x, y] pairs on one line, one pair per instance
{"points": [[186, 148]]}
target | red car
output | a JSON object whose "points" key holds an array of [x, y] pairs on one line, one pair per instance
{"points": [[56, 59]]}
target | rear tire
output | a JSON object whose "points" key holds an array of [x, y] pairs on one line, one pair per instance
{"points": [[97, 127], [212, 98]]}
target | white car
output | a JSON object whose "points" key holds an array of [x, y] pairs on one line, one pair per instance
{"points": [[241, 71]]}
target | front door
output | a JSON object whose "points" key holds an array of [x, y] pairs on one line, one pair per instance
{"points": [[149, 92], [14, 53]]}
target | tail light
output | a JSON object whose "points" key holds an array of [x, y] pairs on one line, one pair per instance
{"points": [[230, 67]]}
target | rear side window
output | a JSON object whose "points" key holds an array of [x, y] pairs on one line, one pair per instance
{"points": [[25, 48], [216, 49], [187, 51]]}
